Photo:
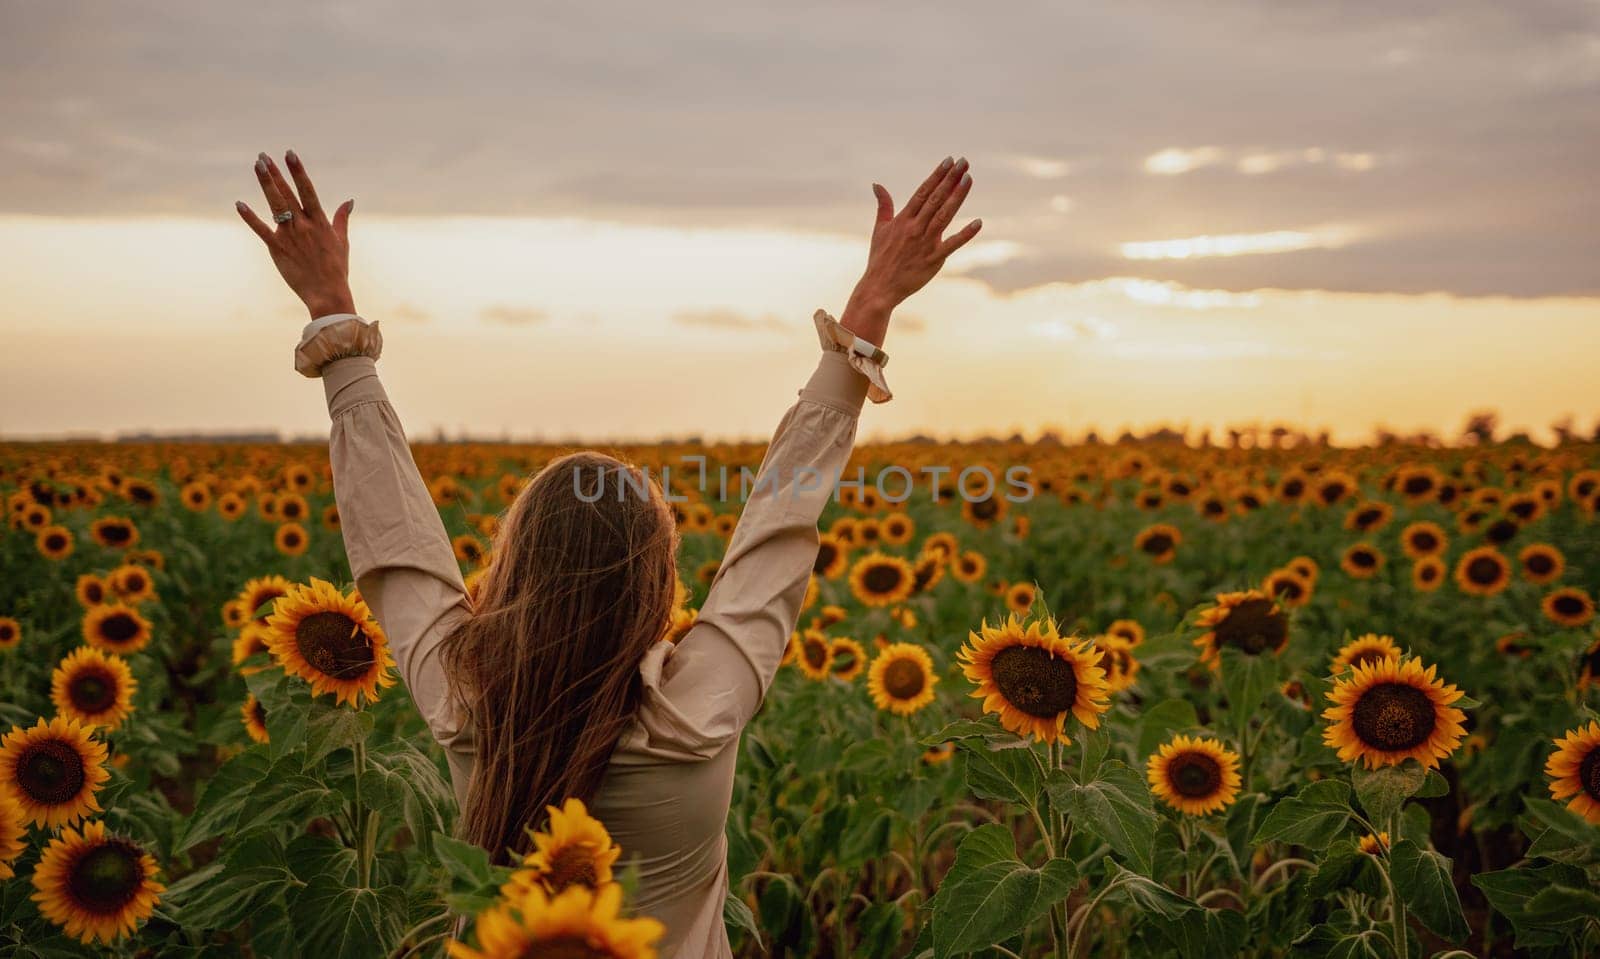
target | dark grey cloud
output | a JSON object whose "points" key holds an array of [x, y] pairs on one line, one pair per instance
{"points": [[1478, 114]]}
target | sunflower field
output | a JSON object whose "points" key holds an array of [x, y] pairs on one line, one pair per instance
{"points": [[1274, 701]]}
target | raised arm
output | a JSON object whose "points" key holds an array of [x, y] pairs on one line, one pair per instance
{"points": [[399, 553], [701, 694]]}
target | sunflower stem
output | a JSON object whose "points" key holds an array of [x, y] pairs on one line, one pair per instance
{"points": [[1397, 909], [362, 824]]}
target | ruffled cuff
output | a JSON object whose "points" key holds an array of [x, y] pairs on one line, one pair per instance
{"points": [[336, 337], [834, 337]]}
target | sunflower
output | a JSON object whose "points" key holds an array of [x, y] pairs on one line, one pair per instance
{"points": [[252, 639], [1195, 776], [1250, 621], [682, 621], [1574, 770], [260, 591], [1364, 649], [291, 539], [868, 532], [1372, 845], [1159, 542], [942, 545], [1033, 677], [53, 771], [1423, 539], [969, 567], [132, 584], [1569, 606], [95, 885], [816, 654], [114, 532], [469, 549], [1368, 517], [93, 688], [1128, 629], [1589, 666], [254, 716], [13, 828], [833, 556], [1427, 574], [115, 628], [878, 579], [830, 616], [230, 506], [574, 850], [1120, 664], [1306, 567], [848, 660], [1391, 710], [91, 590], [1361, 560], [1020, 597], [1541, 563], [577, 922], [897, 529], [942, 753], [330, 518], [985, 512], [10, 632], [331, 641], [1482, 571], [901, 679], [1287, 587], [926, 573], [54, 542]]}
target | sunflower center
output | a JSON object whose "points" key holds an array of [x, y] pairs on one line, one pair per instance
{"points": [[985, 508], [50, 772], [1394, 717], [1589, 773], [1568, 605], [825, 554], [1194, 775], [1539, 564], [119, 628], [1483, 571], [1363, 558], [1424, 541], [1034, 681], [573, 866], [816, 653], [1367, 656], [106, 878], [1157, 543], [563, 947], [881, 579], [334, 644], [1253, 627], [903, 679], [114, 534], [92, 691]]}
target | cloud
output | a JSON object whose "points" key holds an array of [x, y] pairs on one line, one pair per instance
{"points": [[504, 315], [1241, 244], [723, 319], [407, 313], [1175, 160]]}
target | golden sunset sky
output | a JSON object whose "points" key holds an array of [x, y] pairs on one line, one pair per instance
{"points": [[614, 223]]}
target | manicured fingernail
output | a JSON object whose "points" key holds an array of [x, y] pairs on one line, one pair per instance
{"points": [[945, 163], [966, 180], [977, 223], [238, 205], [352, 204], [261, 168], [292, 157], [263, 159], [962, 162]]}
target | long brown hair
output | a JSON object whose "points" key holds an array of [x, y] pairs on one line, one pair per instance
{"points": [[580, 586]]}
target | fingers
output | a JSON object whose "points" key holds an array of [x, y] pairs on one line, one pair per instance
{"points": [[341, 219], [956, 241], [885, 204], [952, 179], [254, 222], [277, 199], [947, 210], [302, 182], [914, 205]]}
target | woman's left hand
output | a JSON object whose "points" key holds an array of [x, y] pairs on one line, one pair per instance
{"points": [[310, 251]]}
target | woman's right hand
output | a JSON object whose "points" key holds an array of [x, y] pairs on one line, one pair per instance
{"points": [[908, 248], [311, 252]]}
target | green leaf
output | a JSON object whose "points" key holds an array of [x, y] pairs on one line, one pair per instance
{"points": [[1114, 806], [1435, 786], [466, 863], [1554, 903], [1160, 721], [1151, 897], [1247, 681], [1571, 832], [1510, 891], [333, 921], [879, 928], [959, 730], [224, 797], [1312, 817], [1009, 774], [1382, 791], [1422, 877], [738, 917], [989, 896], [1331, 942], [335, 727]]}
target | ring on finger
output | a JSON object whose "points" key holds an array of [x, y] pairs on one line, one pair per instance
{"points": [[283, 217]]}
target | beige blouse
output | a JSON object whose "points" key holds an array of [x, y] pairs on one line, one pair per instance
{"points": [[666, 792]]}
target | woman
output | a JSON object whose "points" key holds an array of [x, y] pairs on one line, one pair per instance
{"points": [[555, 681]]}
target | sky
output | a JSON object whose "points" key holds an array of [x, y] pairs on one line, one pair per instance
{"points": [[614, 220]]}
